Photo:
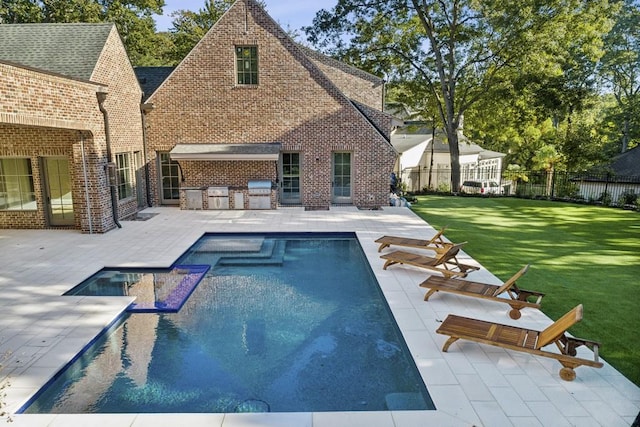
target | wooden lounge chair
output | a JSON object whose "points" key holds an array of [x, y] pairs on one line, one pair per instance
{"points": [[436, 243], [525, 340], [445, 263], [518, 298]]}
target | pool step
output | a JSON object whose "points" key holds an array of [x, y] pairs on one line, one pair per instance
{"points": [[271, 253], [231, 245]]}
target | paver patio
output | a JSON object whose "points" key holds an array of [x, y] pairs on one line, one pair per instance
{"points": [[471, 385]]}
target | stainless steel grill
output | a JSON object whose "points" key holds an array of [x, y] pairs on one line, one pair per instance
{"points": [[259, 194], [218, 197], [259, 187]]}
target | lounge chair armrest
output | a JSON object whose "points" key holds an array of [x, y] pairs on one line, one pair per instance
{"points": [[524, 295], [572, 343]]}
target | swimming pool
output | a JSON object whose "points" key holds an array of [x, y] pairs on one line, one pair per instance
{"points": [[281, 323]]}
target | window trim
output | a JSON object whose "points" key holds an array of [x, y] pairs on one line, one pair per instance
{"points": [[124, 185], [254, 62], [26, 197]]}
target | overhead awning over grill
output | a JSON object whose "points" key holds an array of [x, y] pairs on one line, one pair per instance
{"points": [[267, 151]]}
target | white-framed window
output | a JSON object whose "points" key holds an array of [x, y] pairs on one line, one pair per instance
{"points": [[16, 184], [125, 184]]}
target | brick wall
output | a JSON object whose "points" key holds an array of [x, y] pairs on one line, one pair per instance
{"points": [[123, 106], [354, 83], [48, 115], [43, 114], [294, 104]]}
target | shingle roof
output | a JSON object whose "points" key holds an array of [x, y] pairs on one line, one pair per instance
{"points": [[408, 137], [68, 49], [150, 78], [334, 63], [627, 163]]}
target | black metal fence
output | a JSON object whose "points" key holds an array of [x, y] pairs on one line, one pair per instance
{"points": [[604, 188]]}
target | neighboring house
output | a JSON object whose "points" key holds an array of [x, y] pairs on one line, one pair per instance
{"points": [[69, 106], [250, 107], [423, 163], [620, 176]]}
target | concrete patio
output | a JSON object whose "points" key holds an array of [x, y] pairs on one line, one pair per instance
{"points": [[471, 385]]}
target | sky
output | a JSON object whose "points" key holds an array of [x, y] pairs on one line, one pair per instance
{"points": [[290, 14]]}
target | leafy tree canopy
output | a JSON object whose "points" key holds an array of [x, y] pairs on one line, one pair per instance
{"points": [[455, 52], [620, 68], [133, 18]]}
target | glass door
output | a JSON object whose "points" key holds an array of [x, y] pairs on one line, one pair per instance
{"points": [[290, 189], [341, 191], [169, 180], [59, 199]]}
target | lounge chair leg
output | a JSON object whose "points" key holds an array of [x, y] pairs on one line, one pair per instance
{"points": [[429, 293], [387, 264], [450, 341], [515, 313], [567, 374]]}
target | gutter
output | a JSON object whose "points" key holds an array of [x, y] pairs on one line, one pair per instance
{"points": [[144, 108], [102, 96]]}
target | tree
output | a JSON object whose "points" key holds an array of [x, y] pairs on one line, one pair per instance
{"points": [[547, 158], [456, 50], [189, 27], [133, 18], [621, 69], [17, 11]]}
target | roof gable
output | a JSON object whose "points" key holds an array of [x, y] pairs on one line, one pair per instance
{"points": [[72, 50], [289, 90]]}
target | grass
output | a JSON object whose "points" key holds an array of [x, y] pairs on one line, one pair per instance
{"points": [[578, 254]]}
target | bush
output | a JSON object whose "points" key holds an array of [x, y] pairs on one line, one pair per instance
{"points": [[628, 198], [570, 190], [605, 198], [444, 187]]}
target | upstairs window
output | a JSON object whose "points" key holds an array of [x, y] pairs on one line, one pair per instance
{"points": [[247, 65]]}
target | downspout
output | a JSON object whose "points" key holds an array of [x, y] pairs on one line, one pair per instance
{"points": [[86, 183], [102, 96], [144, 108]]}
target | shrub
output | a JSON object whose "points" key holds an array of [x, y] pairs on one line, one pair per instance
{"points": [[444, 187], [605, 198], [628, 198], [570, 190]]}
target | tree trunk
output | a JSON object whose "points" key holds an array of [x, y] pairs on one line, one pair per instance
{"points": [[625, 135], [549, 182], [454, 150]]}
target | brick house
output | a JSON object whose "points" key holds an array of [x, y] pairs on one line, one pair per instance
{"points": [[69, 106], [249, 105]]}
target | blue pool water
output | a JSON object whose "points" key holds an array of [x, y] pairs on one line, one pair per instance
{"points": [[156, 290], [281, 323]]}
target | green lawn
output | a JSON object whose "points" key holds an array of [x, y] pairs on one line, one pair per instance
{"points": [[578, 254]]}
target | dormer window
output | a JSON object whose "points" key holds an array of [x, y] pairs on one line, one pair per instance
{"points": [[247, 65]]}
